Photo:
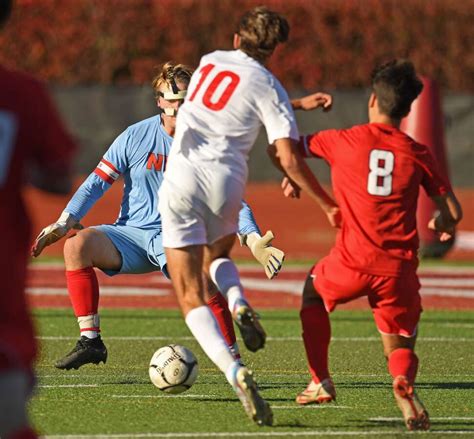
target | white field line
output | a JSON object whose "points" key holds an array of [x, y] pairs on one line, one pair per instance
{"points": [[66, 385], [104, 291], [276, 287], [298, 339], [451, 325], [447, 282], [239, 434], [261, 372], [310, 407], [163, 396], [439, 418], [447, 292], [275, 407], [303, 268]]}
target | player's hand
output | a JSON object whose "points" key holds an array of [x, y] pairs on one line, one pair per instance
{"points": [[54, 232], [290, 188], [334, 216], [270, 257], [445, 229], [316, 100]]}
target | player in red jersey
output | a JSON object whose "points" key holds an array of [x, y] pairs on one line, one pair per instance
{"points": [[376, 174], [33, 143]]}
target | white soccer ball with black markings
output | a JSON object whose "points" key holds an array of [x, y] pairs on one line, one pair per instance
{"points": [[173, 369]]}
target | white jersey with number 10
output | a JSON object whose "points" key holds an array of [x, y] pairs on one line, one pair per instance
{"points": [[230, 97]]}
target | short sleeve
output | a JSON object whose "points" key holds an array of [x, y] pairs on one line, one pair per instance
{"points": [[276, 113], [321, 144], [432, 181]]}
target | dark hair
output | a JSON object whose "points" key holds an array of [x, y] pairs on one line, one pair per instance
{"points": [[396, 86], [5, 11], [261, 30]]}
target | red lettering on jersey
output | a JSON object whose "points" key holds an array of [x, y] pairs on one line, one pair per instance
{"points": [[156, 161]]}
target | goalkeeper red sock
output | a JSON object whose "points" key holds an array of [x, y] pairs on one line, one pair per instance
{"points": [[403, 361], [83, 289], [220, 309], [316, 338]]}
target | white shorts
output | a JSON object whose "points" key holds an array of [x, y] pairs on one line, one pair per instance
{"points": [[187, 220]]}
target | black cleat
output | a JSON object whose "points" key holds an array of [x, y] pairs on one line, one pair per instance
{"points": [[249, 325], [87, 350]]}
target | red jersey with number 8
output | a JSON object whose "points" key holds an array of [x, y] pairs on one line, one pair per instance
{"points": [[376, 172]]}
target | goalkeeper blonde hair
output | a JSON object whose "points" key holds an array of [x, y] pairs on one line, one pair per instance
{"points": [[169, 72]]}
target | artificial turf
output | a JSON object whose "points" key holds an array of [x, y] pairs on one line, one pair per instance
{"points": [[117, 400]]}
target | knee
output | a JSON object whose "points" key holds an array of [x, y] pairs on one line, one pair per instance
{"points": [[14, 390], [310, 296], [190, 300], [78, 247]]}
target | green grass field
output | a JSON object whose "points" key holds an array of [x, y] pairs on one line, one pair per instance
{"points": [[118, 401]]}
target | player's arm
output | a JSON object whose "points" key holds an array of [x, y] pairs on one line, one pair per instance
{"points": [[92, 189], [439, 190], [249, 235], [447, 217], [285, 157], [312, 102]]}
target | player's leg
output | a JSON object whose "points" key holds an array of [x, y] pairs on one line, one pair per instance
{"points": [[87, 249], [219, 307], [15, 388], [316, 338], [223, 272], [397, 307], [241, 379], [17, 343], [213, 298], [185, 268]]}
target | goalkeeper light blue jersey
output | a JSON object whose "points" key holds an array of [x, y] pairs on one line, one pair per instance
{"points": [[139, 155]]}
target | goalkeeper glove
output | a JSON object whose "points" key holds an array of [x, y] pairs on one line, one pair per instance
{"points": [[54, 232], [270, 257]]}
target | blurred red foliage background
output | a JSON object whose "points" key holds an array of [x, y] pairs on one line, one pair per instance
{"points": [[333, 43]]}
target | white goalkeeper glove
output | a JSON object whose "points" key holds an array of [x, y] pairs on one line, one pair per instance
{"points": [[270, 257], [54, 232]]}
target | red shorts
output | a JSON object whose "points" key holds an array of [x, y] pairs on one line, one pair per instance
{"points": [[395, 301], [17, 340]]}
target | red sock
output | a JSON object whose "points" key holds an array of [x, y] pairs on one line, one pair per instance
{"points": [[83, 289], [27, 433], [220, 309], [403, 361], [316, 338]]}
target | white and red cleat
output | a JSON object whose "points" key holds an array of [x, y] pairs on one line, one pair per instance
{"points": [[317, 393], [414, 413]]}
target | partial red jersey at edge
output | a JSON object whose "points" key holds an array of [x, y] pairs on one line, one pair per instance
{"points": [[31, 136], [376, 173]]}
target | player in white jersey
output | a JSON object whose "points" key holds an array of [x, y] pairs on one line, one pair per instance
{"points": [[133, 245], [230, 96]]}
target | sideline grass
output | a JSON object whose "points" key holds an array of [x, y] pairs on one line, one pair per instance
{"points": [[118, 398]]}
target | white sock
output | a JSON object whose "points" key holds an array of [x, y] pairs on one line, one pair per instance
{"points": [[89, 325], [225, 275], [205, 329]]}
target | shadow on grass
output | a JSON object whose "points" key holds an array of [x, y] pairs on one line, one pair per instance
{"points": [[424, 385]]}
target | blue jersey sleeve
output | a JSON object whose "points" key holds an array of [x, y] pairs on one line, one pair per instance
{"points": [[247, 223], [113, 164]]}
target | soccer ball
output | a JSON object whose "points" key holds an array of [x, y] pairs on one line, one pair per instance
{"points": [[173, 368]]}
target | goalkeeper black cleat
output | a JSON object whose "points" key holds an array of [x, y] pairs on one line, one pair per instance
{"points": [[87, 350]]}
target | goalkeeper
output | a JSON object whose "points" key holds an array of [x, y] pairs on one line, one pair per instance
{"points": [[132, 244]]}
